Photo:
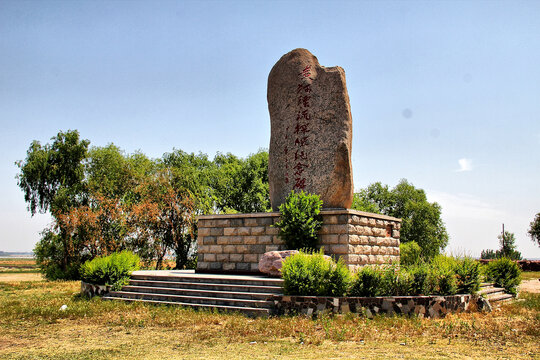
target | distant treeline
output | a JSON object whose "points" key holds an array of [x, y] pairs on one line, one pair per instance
{"points": [[6, 253]]}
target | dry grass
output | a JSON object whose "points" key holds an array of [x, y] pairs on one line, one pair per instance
{"points": [[33, 327], [17, 265]]}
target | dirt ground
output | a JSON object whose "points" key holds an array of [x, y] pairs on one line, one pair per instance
{"points": [[532, 286]]}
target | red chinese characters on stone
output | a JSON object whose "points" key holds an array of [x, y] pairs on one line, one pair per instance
{"points": [[301, 129], [299, 183], [304, 114], [306, 72], [303, 87], [304, 100]]}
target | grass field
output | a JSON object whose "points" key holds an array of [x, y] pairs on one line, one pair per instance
{"points": [[18, 265], [32, 326]]}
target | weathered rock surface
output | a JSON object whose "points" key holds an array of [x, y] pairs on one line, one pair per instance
{"points": [[311, 131], [272, 261]]}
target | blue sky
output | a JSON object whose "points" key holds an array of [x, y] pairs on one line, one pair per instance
{"points": [[444, 94]]}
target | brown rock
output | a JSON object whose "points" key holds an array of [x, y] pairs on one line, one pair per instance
{"points": [[311, 131], [270, 263]]}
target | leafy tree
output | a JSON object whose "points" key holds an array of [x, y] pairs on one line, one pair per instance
{"points": [[52, 175], [166, 219], [241, 184], [422, 221], [507, 248], [534, 230]]}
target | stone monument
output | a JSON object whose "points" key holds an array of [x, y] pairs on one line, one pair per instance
{"points": [[311, 131], [310, 150]]}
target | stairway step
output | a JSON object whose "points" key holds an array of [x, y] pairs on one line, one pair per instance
{"points": [[490, 290], [197, 292], [487, 284], [191, 299], [501, 298], [209, 286], [243, 309], [216, 279]]}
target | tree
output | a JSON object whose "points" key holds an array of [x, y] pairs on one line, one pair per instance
{"points": [[421, 220], [52, 175], [241, 185], [534, 230], [507, 248]]}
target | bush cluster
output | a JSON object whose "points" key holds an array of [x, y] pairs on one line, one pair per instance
{"points": [[300, 220], [312, 275], [504, 273], [113, 270]]}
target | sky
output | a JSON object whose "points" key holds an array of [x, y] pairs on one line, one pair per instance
{"points": [[445, 94]]}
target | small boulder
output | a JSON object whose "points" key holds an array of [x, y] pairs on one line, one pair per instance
{"points": [[272, 261]]}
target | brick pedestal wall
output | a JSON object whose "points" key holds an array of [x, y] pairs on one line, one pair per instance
{"points": [[235, 243]]}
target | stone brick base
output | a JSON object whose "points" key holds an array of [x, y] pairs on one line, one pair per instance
{"points": [[421, 306], [236, 242]]}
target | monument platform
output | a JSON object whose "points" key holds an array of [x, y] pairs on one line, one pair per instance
{"points": [[234, 243]]}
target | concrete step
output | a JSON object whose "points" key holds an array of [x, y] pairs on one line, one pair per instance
{"points": [[250, 311], [208, 286], [500, 299], [488, 291], [198, 292], [204, 300], [210, 278]]}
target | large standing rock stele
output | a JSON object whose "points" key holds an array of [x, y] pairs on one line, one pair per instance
{"points": [[311, 131]]}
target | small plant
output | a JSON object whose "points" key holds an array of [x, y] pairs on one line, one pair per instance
{"points": [[422, 280], [300, 221], [395, 282], [312, 274], [113, 270], [410, 253], [505, 273], [467, 275], [367, 282], [443, 268]]}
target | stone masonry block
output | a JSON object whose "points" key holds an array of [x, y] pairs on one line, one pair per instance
{"points": [[339, 249], [203, 231], [354, 239], [277, 240], [265, 239], [330, 239], [237, 222], [216, 231], [202, 265], [364, 221], [257, 249], [223, 240], [209, 257], [229, 266], [230, 231], [222, 257], [355, 220], [258, 230], [229, 249], [254, 266], [344, 239], [372, 240], [380, 223], [343, 219], [222, 223], [236, 257], [243, 266], [236, 240], [395, 233], [243, 249], [209, 240], [265, 221], [250, 240], [216, 266], [375, 250], [271, 230], [332, 219], [251, 258], [271, 248], [244, 231], [364, 240], [250, 222], [216, 249]]}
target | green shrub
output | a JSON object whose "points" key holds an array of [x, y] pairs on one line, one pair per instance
{"points": [[311, 274], [505, 273], [410, 253], [395, 282], [113, 270], [300, 221], [367, 282], [467, 275], [443, 268], [423, 281]]}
